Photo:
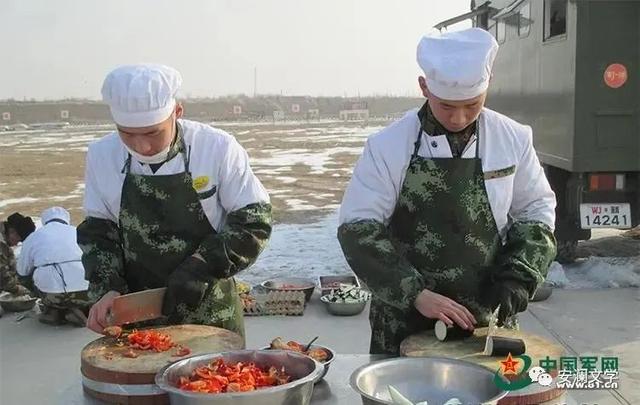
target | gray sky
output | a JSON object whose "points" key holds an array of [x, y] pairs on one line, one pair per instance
{"points": [[63, 48]]}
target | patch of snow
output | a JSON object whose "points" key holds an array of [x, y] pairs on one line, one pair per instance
{"points": [[308, 250], [295, 204], [11, 201], [287, 179], [597, 272]]}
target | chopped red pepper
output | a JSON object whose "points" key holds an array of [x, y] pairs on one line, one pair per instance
{"points": [[218, 377], [182, 351], [149, 340]]}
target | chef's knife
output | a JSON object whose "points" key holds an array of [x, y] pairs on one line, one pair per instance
{"points": [[136, 307]]}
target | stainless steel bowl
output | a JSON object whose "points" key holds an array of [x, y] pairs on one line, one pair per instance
{"points": [[343, 308], [291, 284], [17, 305], [431, 379], [325, 364], [303, 370]]}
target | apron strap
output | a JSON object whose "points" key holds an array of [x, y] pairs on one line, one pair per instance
{"points": [[417, 143], [127, 165], [59, 271], [477, 142]]}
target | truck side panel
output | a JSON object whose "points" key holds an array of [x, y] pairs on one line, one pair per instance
{"points": [[607, 119]]}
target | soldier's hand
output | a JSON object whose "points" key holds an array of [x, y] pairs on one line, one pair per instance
{"points": [[186, 285], [437, 306], [512, 298], [97, 319]]}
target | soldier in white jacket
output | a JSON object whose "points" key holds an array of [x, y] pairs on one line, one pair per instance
{"points": [[169, 203], [50, 259], [448, 213]]}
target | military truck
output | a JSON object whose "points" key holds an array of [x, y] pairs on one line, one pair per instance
{"points": [[570, 69]]}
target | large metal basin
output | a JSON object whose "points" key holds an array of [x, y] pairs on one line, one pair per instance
{"points": [[291, 284], [12, 303], [431, 379], [303, 370]]}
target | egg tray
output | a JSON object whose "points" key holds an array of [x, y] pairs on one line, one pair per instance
{"points": [[289, 303]]}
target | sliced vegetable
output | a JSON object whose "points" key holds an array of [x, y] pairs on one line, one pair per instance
{"points": [[445, 332], [112, 331], [150, 340], [182, 351], [347, 294], [217, 377], [397, 398]]}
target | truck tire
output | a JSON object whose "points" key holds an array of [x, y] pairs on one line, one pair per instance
{"points": [[566, 251]]}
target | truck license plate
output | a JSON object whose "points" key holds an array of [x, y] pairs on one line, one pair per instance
{"points": [[605, 216]]}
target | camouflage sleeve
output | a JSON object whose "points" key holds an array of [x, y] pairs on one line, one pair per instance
{"points": [[527, 254], [8, 276], [102, 257], [372, 256], [239, 243]]}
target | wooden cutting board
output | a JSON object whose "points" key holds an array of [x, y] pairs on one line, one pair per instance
{"points": [[471, 349], [110, 376]]}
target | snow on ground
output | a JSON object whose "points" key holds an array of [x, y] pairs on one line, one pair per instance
{"points": [[308, 250], [597, 272], [11, 201]]}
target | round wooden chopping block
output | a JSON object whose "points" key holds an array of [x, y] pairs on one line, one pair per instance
{"points": [[472, 349], [111, 377]]}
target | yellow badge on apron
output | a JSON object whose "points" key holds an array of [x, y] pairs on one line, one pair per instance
{"points": [[200, 182]]}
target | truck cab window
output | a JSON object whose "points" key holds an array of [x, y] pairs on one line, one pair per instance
{"points": [[555, 18]]}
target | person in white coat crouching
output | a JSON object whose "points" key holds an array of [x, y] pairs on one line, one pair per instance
{"points": [[51, 261]]}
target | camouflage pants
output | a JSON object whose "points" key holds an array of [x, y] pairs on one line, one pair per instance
{"points": [[64, 301]]}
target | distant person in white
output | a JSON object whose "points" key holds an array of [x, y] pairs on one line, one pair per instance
{"points": [[51, 257]]}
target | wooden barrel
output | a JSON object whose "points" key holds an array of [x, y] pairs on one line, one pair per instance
{"points": [[109, 376], [472, 349]]}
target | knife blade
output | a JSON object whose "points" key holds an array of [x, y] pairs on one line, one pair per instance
{"points": [[493, 321], [136, 307]]}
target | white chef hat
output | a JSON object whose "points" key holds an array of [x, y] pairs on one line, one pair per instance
{"points": [[141, 95], [457, 65], [55, 213]]}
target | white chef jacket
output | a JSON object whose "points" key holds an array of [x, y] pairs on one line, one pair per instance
{"points": [[524, 195], [216, 160], [53, 256]]}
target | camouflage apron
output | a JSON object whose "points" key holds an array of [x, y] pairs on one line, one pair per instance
{"points": [[162, 223], [444, 226]]}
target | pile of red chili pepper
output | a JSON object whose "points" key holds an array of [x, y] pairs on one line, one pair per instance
{"points": [[150, 340], [218, 377]]}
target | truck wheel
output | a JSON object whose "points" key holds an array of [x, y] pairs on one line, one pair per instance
{"points": [[566, 251]]}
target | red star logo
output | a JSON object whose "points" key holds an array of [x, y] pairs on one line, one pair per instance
{"points": [[510, 365]]}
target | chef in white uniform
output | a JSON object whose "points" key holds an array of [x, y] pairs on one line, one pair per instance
{"points": [[448, 213], [169, 203], [51, 259]]}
